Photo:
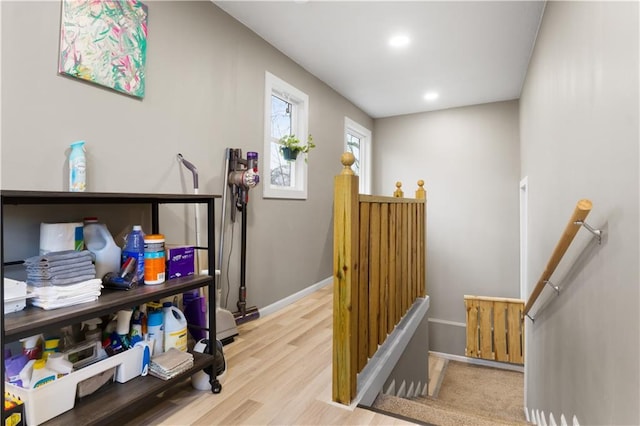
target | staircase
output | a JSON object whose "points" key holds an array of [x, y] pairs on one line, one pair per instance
{"points": [[434, 412], [471, 395]]}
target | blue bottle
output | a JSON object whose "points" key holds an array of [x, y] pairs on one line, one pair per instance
{"points": [[134, 247]]}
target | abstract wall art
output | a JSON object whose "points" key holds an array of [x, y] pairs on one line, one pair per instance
{"points": [[105, 42]]}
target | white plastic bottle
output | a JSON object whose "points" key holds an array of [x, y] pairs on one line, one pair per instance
{"points": [[99, 241], [175, 328], [155, 331], [77, 168], [41, 374]]}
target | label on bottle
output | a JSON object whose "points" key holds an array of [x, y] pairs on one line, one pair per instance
{"points": [[154, 259], [176, 339], [78, 180], [139, 256]]}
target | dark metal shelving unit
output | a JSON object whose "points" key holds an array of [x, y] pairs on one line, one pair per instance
{"points": [[31, 320]]}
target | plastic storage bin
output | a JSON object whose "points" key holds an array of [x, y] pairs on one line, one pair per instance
{"points": [[46, 402]]}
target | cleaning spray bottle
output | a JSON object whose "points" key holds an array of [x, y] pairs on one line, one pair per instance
{"points": [[77, 168], [91, 330], [123, 326]]}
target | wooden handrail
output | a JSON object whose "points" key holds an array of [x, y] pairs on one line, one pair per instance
{"points": [[579, 214]]}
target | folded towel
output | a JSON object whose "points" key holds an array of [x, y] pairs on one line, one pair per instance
{"points": [[59, 281], [70, 273], [169, 364], [54, 297], [55, 304], [56, 258], [91, 286], [67, 266]]}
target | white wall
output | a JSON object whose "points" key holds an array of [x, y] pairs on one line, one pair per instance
{"points": [[579, 135], [469, 160], [204, 92]]}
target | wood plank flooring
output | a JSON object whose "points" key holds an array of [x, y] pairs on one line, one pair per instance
{"points": [[279, 373]]}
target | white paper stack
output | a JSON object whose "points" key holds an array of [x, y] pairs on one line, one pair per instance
{"points": [[169, 364]]}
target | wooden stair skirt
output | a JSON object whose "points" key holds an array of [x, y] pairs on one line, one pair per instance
{"points": [[495, 329]]}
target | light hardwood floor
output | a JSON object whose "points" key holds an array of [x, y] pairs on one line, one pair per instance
{"points": [[279, 373]]}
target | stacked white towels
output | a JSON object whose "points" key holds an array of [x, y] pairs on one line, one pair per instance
{"points": [[63, 278], [57, 296]]}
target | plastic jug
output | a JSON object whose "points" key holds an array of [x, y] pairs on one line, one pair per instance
{"points": [[175, 328], [99, 241], [41, 374]]}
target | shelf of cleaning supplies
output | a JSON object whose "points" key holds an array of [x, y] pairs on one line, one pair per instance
{"points": [[112, 402], [23, 323], [116, 398]]}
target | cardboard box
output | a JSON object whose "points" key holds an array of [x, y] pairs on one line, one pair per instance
{"points": [[13, 411], [181, 261]]}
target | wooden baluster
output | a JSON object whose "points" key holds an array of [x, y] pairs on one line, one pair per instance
{"points": [[421, 194], [345, 282], [398, 192]]}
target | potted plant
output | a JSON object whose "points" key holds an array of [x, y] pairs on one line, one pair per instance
{"points": [[292, 146]]}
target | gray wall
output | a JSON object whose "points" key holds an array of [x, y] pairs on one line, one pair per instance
{"points": [[413, 365], [579, 135], [469, 160], [204, 92]]}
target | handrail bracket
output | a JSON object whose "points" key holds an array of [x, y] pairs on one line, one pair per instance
{"points": [[553, 286], [596, 232]]}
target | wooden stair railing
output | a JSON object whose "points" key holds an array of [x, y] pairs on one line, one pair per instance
{"points": [[379, 271], [495, 329], [580, 213]]}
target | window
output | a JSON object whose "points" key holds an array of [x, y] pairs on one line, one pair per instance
{"points": [[286, 113], [358, 142]]}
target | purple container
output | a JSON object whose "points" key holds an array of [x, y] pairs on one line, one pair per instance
{"points": [[12, 368]]}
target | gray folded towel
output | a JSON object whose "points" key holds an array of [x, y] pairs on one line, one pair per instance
{"points": [[57, 258], [60, 266], [69, 273], [59, 281]]}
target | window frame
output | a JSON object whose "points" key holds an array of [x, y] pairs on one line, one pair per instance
{"points": [[356, 129], [300, 124]]}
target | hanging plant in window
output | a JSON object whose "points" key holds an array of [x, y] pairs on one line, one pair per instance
{"points": [[292, 146]]}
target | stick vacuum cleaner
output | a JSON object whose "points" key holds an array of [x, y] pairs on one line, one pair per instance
{"points": [[241, 176]]}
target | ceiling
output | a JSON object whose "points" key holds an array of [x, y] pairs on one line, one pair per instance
{"points": [[469, 52]]}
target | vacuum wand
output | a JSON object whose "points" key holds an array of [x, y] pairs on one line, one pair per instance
{"points": [[192, 168], [194, 171], [243, 176]]}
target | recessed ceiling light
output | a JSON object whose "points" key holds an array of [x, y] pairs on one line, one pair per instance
{"points": [[431, 96], [398, 41]]}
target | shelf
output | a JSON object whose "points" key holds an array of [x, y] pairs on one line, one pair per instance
{"points": [[59, 197], [116, 398], [34, 320], [102, 407]]}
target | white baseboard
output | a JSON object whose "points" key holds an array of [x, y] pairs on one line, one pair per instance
{"points": [[283, 303], [480, 361], [447, 322]]}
